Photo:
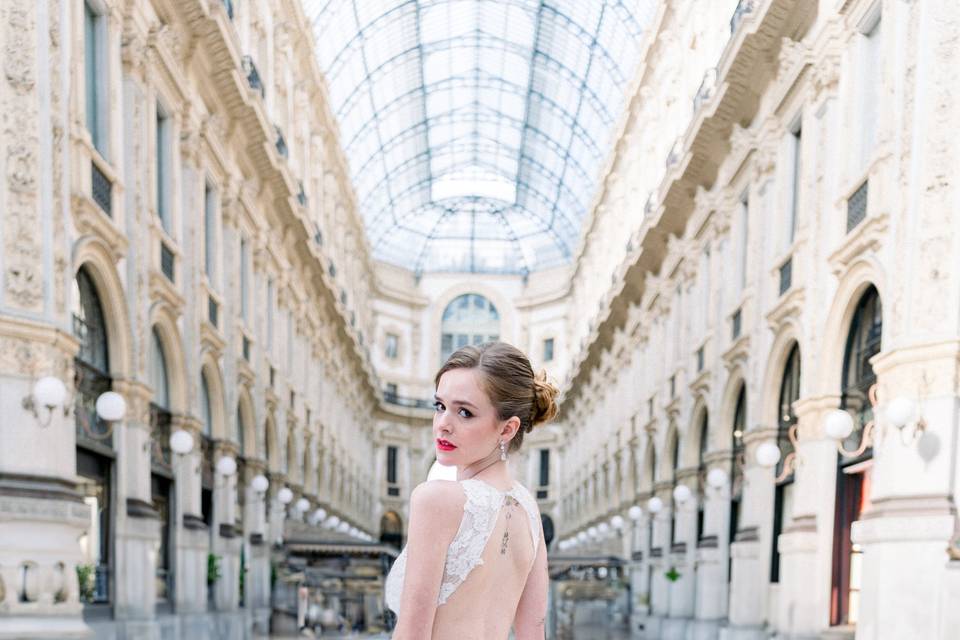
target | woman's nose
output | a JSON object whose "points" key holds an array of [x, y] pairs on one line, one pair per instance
{"points": [[443, 421]]}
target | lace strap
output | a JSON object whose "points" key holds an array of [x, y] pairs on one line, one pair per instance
{"points": [[466, 550], [530, 506]]}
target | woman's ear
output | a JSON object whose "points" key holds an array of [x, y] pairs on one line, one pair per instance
{"points": [[509, 428]]}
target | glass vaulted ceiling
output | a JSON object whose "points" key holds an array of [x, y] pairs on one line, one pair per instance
{"points": [[476, 129]]}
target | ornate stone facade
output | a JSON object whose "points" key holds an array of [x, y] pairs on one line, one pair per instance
{"points": [[756, 245]]}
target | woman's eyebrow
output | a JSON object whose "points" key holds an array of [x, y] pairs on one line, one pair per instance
{"points": [[465, 403]]}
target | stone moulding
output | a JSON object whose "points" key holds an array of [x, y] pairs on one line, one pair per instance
{"points": [[137, 508]]}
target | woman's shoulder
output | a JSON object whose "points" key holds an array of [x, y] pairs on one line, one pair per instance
{"points": [[438, 498]]}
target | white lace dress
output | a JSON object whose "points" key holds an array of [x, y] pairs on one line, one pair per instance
{"points": [[465, 552]]}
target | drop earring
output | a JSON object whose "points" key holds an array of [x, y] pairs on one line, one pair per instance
{"points": [[503, 450]]}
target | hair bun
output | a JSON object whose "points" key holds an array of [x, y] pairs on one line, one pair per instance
{"points": [[544, 399]]}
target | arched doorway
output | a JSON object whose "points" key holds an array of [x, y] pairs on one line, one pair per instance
{"points": [[853, 473], [391, 529], [161, 472], [94, 440]]}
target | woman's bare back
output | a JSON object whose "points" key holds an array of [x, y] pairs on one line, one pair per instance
{"points": [[491, 568]]}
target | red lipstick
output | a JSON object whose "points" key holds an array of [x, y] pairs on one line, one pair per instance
{"points": [[445, 445]]}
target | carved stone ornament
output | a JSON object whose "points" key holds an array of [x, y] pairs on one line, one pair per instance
{"points": [[826, 75]]}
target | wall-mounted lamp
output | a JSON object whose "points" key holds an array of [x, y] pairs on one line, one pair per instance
{"points": [[226, 466], [181, 442], [48, 393], [654, 505], [717, 478], [260, 484], [318, 516], [768, 454], [682, 494]]}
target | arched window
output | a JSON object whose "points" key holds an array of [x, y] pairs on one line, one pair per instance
{"points": [[468, 319], [161, 477], [736, 473], [94, 442], [702, 470], [786, 418], [853, 474]]}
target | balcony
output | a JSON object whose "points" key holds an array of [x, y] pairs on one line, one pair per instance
{"points": [[392, 397]]}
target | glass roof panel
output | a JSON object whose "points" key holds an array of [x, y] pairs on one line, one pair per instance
{"points": [[475, 129]]}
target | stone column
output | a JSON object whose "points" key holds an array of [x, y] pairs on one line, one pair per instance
{"points": [[682, 555], [256, 578], [190, 535], [711, 555], [750, 548], [276, 511], [660, 563], [137, 536], [909, 525], [224, 540], [806, 544]]}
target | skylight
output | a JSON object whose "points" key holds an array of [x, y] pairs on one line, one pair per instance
{"points": [[476, 129]]}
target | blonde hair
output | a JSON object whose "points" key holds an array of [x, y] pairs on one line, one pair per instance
{"points": [[509, 382]]}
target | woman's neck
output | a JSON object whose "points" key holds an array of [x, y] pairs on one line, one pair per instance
{"points": [[490, 469]]}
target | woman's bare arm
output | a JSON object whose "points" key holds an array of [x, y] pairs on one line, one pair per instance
{"points": [[436, 508], [530, 621]]}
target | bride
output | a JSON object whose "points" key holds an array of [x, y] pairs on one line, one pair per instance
{"points": [[475, 563]]}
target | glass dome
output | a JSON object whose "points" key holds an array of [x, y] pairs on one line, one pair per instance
{"points": [[476, 129]]}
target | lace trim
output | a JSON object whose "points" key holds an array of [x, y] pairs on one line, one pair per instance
{"points": [[480, 512]]}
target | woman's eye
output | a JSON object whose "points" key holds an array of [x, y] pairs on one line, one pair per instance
{"points": [[466, 414], [438, 406]]}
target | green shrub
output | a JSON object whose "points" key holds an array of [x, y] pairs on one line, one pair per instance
{"points": [[213, 568], [86, 582]]}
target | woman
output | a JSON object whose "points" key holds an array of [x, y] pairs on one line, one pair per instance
{"points": [[475, 562]]}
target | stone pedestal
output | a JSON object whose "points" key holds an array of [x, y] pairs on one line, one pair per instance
{"points": [[797, 613], [40, 522], [711, 591], [903, 541], [746, 591]]}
